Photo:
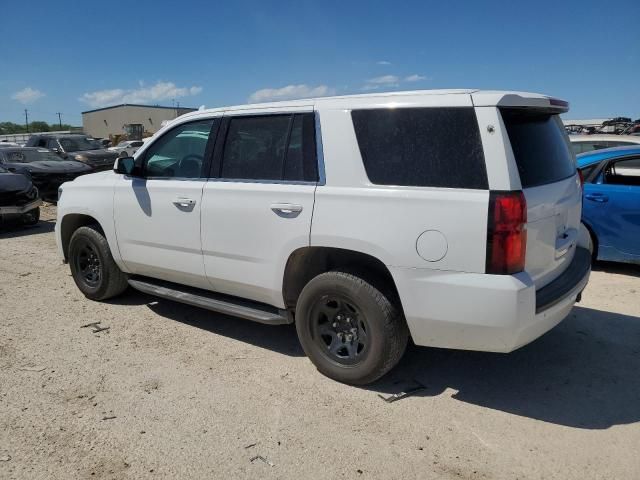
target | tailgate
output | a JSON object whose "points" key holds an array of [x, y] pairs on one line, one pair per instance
{"points": [[553, 221], [547, 171]]}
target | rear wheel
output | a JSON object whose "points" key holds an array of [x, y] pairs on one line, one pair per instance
{"points": [[349, 329], [593, 248], [92, 266]]}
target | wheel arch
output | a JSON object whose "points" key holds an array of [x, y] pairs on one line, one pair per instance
{"points": [[308, 262], [70, 223]]}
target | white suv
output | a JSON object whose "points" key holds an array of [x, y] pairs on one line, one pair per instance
{"points": [[449, 216]]}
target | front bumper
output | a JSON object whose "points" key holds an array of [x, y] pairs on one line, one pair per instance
{"points": [[493, 313], [20, 209]]}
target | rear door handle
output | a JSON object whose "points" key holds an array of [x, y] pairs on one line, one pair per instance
{"points": [[184, 202], [287, 210], [597, 197]]}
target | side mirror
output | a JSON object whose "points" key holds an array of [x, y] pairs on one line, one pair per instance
{"points": [[56, 150], [128, 166]]}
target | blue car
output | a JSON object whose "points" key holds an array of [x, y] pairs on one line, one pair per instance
{"points": [[611, 205]]}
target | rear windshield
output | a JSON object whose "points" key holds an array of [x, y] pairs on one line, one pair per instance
{"points": [[540, 146], [421, 147]]}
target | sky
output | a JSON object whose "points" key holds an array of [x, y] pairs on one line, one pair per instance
{"points": [[72, 56]]}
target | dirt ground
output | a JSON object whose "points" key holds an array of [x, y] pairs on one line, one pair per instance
{"points": [[170, 391]]}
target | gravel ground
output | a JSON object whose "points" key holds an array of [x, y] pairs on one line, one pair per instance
{"points": [[170, 391]]}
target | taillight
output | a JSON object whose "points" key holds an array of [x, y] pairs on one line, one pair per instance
{"points": [[506, 233]]}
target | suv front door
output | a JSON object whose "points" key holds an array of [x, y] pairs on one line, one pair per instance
{"points": [[257, 207], [157, 214]]}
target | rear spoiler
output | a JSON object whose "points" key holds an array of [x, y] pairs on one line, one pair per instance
{"points": [[519, 100]]}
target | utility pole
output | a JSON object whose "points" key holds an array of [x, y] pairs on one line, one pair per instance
{"points": [[26, 119], [59, 119]]}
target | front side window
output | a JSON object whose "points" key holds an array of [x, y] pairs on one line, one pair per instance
{"points": [[180, 152], [270, 147], [421, 147]]}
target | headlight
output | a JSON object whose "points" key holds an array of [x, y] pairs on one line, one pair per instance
{"points": [[81, 158]]}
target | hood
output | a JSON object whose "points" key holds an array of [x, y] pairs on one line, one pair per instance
{"points": [[101, 153], [14, 182], [52, 166]]}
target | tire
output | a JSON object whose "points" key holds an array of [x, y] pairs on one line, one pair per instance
{"points": [[594, 246], [32, 217], [92, 266], [333, 306]]}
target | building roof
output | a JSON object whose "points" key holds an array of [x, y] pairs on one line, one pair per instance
{"points": [[138, 105]]}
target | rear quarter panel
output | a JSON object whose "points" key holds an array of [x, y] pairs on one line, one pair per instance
{"points": [[386, 221]]}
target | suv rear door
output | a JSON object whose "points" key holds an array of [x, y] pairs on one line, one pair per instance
{"points": [[258, 203], [546, 167]]}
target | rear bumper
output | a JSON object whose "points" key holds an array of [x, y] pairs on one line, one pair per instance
{"points": [[494, 313], [18, 210]]}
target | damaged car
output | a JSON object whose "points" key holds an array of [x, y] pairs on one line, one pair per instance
{"points": [[19, 199], [47, 170]]}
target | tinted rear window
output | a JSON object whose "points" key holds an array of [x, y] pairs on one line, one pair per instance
{"points": [[421, 147], [540, 147]]}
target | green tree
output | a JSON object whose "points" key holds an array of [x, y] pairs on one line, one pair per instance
{"points": [[38, 126]]}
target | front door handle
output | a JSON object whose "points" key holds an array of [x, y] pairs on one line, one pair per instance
{"points": [[597, 197], [184, 202], [286, 210]]}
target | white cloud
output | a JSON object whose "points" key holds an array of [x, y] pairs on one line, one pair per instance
{"points": [[390, 81], [384, 80], [290, 92], [27, 95], [154, 93], [383, 62]]}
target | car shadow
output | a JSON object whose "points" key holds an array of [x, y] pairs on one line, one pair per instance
{"points": [[278, 338], [15, 229], [582, 374], [615, 267]]}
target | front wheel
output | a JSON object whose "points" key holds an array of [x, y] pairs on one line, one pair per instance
{"points": [[349, 329], [32, 217], [92, 266]]}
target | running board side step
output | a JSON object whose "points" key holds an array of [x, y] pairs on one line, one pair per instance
{"points": [[212, 301]]}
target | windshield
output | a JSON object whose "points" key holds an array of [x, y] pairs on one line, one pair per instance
{"points": [[123, 144], [28, 156], [76, 144]]}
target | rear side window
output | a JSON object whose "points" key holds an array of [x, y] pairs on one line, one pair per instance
{"points": [[540, 147], [270, 147], [421, 147]]}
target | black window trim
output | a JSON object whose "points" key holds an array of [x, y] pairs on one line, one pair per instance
{"points": [[215, 173], [208, 151]]}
